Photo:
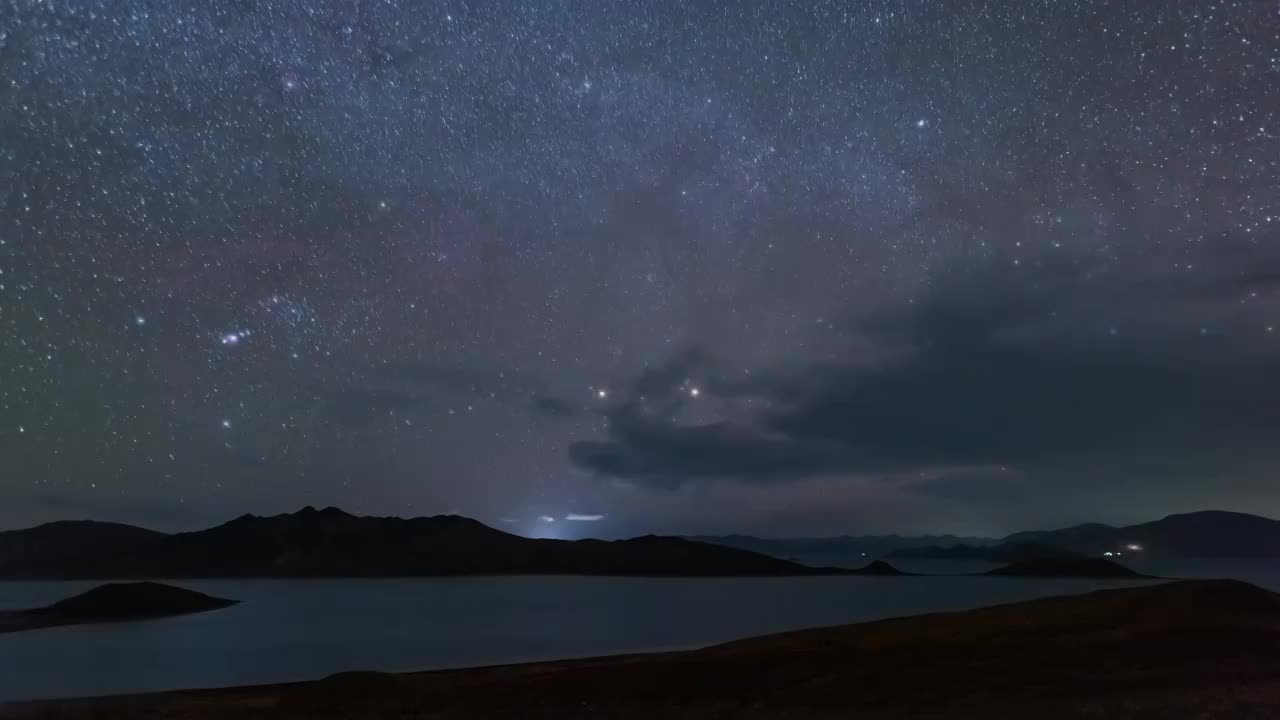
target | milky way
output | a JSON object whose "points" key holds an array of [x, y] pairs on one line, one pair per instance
{"points": [[613, 267]]}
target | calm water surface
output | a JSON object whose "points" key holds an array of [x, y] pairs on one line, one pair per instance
{"points": [[303, 629]]}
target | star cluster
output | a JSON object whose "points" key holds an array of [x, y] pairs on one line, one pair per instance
{"points": [[413, 258]]}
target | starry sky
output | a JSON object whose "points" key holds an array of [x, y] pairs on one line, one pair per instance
{"points": [[611, 267]]}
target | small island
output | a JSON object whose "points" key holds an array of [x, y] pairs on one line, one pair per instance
{"points": [[114, 602], [880, 568]]}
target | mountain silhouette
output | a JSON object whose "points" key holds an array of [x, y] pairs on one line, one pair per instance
{"points": [[1003, 553], [839, 549], [334, 543], [1207, 534], [74, 547]]}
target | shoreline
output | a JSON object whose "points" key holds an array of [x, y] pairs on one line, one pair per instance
{"points": [[1196, 637]]}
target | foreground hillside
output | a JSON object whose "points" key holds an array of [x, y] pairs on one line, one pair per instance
{"points": [[332, 543], [1205, 649]]}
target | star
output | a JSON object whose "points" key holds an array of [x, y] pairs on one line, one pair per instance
{"points": [[406, 242], [234, 338]]}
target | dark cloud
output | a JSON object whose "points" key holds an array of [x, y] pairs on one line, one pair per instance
{"points": [[993, 486], [665, 454], [984, 372]]}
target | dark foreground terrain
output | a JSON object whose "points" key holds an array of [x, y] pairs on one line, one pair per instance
{"points": [[1203, 649], [113, 602]]}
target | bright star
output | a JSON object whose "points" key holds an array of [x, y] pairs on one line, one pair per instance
{"points": [[226, 424], [234, 338]]}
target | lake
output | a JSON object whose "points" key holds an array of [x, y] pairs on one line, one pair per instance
{"points": [[287, 630]]}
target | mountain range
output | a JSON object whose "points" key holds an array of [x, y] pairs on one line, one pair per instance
{"points": [[1207, 534], [839, 549], [333, 543]]}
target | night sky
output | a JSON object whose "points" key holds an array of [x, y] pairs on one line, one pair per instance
{"points": [[612, 267]]}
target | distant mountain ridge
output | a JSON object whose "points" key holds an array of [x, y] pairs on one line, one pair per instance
{"points": [[1206, 534], [333, 543], [835, 549]]}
